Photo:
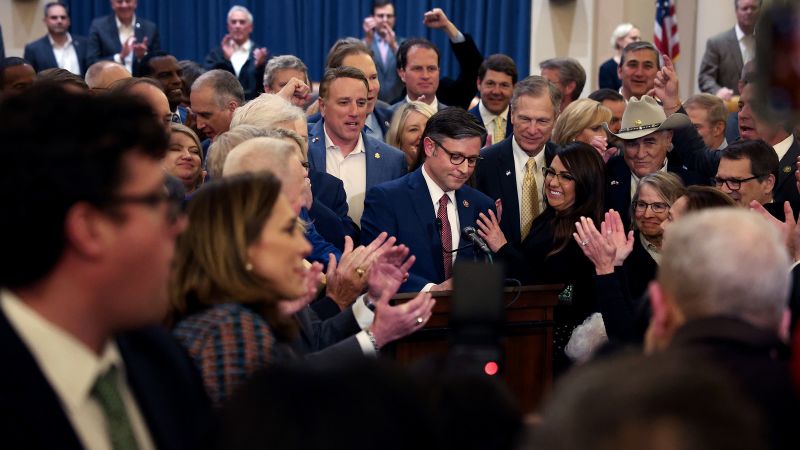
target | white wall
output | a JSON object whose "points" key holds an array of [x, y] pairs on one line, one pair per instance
{"points": [[22, 23]]}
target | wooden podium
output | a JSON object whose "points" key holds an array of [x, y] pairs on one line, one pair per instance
{"points": [[528, 340]]}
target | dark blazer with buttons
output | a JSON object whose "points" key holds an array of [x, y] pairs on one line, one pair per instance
{"points": [[163, 380], [496, 177], [383, 162], [104, 38], [40, 53], [329, 210], [404, 209]]}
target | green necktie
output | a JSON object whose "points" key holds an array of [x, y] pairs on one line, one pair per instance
{"points": [[106, 392]]}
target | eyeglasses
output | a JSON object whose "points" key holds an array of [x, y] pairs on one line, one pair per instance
{"points": [[563, 177], [153, 200], [457, 158], [733, 184], [657, 207]]}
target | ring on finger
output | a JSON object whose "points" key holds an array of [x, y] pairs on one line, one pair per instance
{"points": [[419, 320], [585, 242]]}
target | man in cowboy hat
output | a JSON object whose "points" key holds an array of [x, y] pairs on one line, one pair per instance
{"points": [[646, 134]]}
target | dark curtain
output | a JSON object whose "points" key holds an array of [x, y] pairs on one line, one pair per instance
{"points": [[307, 28]]}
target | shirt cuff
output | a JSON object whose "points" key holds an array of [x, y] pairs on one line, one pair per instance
{"points": [[458, 39], [365, 343], [427, 287], [118, 59], [364, 316]]}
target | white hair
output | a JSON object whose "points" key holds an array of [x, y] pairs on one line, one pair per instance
{"points": [[266, 111], [240, 8], [258, 155], [225, 142], [726, 262], [620, 32]]}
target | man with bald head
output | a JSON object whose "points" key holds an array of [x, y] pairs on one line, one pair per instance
{"points": [[150, 91], [102, 74]]}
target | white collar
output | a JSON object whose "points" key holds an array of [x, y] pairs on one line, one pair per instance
{"points": [[740, 33], [489, 116], [120, 25], [66, 44], [69, 366], [359, 148], [782, 147], [435, 191]]}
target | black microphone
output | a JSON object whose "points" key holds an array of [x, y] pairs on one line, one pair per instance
{"points": [[438, 223], [472, 236]]}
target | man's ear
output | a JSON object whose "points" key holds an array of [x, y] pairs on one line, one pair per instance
{"points": [[478, 84], [86, 230], [232, 105], [402, 74], [662, 322], [718, 128], [429, 146], [321, 106], [570, 88], [769, 184]]}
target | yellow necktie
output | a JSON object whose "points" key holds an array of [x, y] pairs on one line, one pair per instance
{"points": [[499, 129], [530, 199]]}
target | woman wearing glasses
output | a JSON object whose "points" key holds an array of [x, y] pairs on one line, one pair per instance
{"points": [[574, 187], [649, 208]]}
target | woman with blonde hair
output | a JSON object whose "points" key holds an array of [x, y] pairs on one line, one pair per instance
{"points": [[184, 157], [408, 123], [582, 121]]}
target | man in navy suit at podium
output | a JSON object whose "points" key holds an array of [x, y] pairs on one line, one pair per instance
{"points": [[427, 209]]}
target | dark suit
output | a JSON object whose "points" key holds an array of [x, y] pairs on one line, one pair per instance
{"points": [[607, 75], [391, 86], [640, 268], [509, 127], [40, 53], [163, 380], [722, 63], [404, 209], [383, 162], [785, 187], [496, 177], [329, 210], [104, 38], [250, 76]]}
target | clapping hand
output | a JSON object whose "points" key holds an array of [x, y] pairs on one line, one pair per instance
{"points": [[605, 248]]}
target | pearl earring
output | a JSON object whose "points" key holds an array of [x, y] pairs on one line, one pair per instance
{"points": [[248, 267]]}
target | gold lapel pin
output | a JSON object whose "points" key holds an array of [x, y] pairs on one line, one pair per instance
{"points": [[377, 156], [787, 169]]}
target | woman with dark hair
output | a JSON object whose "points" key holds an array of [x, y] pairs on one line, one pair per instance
{"points": [[574, 187]]}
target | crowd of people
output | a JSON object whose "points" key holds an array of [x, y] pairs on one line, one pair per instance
{"points": [[205, 255]]}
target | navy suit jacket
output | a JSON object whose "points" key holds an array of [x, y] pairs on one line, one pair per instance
{"points": [[104, 38], [403, 208], [40, 53], [509, 127], [250, 77], [384, 162], [496, 177], [163, 379], [391, 86], [330, 209]]}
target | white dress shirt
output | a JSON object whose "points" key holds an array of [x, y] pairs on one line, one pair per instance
{"points": [[240, 55], [635, 179], [747, 44], [66, 55], [71, 368], [125, 32], [782, 147], [488, 118], [352, 170], [520, 159]]}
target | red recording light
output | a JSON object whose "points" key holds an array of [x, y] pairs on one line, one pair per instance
{"points": [[490, 368]]}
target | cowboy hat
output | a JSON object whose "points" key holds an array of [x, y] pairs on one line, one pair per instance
{"points": [[645, 116]]}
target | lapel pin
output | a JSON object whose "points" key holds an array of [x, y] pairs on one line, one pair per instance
{"points": [[465, 203], [377, 155], [787, 169], [508, 172], [138, 25], [386, 123], [614, 182], [314, 139]]}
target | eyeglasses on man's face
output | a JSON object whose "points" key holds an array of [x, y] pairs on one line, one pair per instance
{"points": [[173, 198], [733, 184], [457, 158]]}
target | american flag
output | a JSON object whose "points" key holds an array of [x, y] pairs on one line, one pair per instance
{"points": [[665, 33]]}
